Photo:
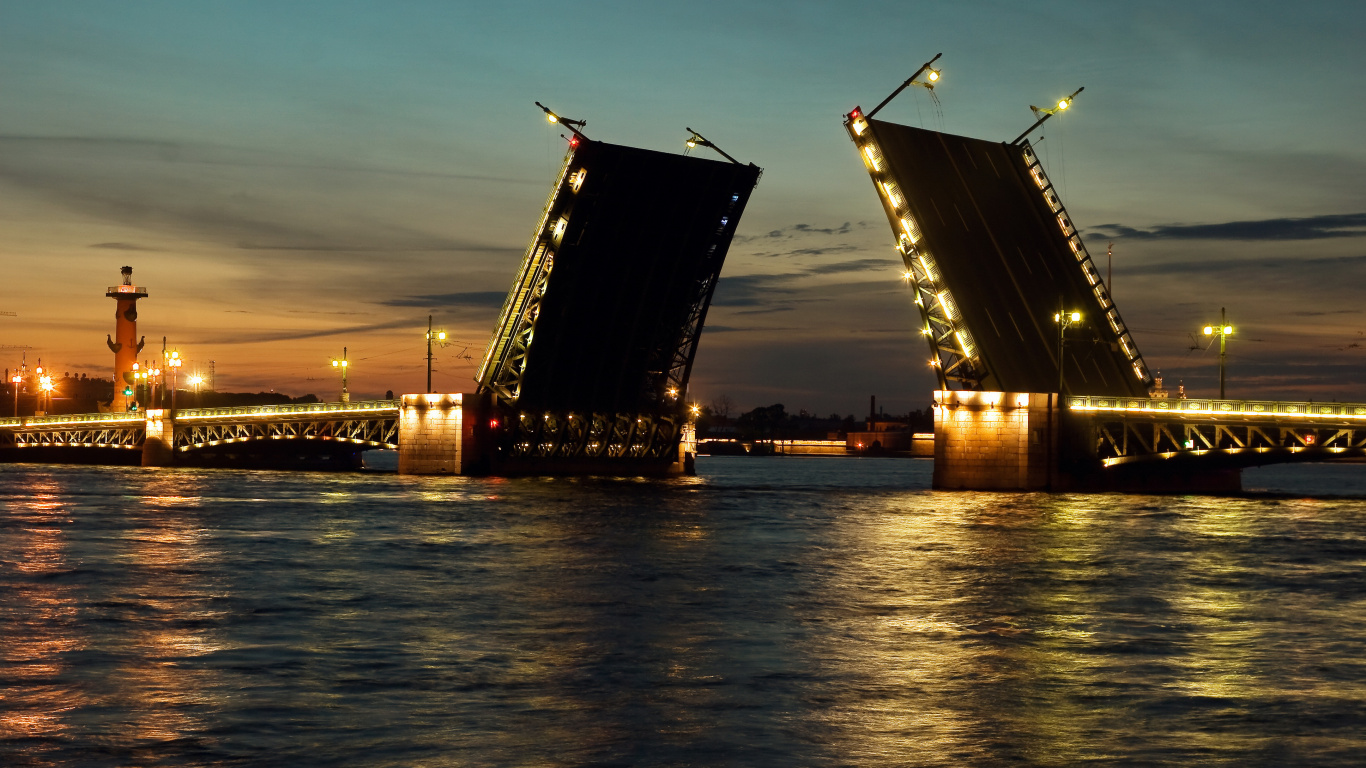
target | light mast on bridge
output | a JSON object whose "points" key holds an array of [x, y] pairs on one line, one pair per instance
{"points": [[125, 343]]}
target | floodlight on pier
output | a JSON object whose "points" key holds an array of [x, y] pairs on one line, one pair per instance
{"points": [[572, 125], [697, 140], [1044, 114], [932, 77]]}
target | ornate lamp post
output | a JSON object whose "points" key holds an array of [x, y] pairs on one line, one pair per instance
{"points": [[341, 365], [1223, 331], [173, 362], [1064, 320]]}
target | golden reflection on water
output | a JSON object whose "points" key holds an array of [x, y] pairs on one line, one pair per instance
{"points": [[42, 626]]}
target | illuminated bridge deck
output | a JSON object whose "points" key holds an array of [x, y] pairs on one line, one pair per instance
{"points": [[1233, 433]]}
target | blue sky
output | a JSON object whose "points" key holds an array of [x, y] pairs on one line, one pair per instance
{"points": [[288, 178]]}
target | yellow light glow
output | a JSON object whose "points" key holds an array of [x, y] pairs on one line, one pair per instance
{"points": [[335, 363], [1228, 329], [441, 336], [1064, 104], [872, 157], [907, 275], [859, 127], [1076, 317], [551, 117], [691, 144], [934, 75], [1209, 330]]}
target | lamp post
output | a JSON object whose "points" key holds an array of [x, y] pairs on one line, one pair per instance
{"points": [[16, 380], [341, 365], [173, 362], [45, 384], [440, 337], [1223, 330], [1064, 320]]}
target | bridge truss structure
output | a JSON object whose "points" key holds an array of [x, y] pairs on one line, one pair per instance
{"points": [[88, 430], [365, 424], [596, 340], [1236, 433], [992, 257]]}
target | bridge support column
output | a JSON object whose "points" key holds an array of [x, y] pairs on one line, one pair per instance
{"points": [[431, 434], [158, 448], [994, 440]]}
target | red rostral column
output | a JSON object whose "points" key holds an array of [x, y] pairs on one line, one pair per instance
{"points": [[125, 343]]}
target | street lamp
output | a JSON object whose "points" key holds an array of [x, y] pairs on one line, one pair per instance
{"points": [[440, 338], [173, 362], [1223, 330], [16, 380], [1064, 320], [45, 384], [341, 365]]}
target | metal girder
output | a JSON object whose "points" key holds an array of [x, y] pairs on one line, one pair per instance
{"points": [[952, 352], [380, 431], [109, 436], [1088, 268], [595, 435], [505, 361], [1127, 430]]}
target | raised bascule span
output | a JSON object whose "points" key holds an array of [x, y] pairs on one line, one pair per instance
{"points": [[992, 257], [588, 368], [1041, 385]]}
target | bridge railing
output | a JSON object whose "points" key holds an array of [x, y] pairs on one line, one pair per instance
{"points": [[1226, 408], [72, 419], [361, 407], [288, 409]]}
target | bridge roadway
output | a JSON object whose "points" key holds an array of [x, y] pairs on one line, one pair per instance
{"points": [[1023, 441], [336, 429], [1222, 433]]}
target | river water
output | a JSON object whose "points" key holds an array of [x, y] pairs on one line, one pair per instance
{"points": [[779, 611]]}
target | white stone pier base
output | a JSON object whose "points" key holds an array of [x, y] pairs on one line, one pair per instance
{"points": [[430, 434]]}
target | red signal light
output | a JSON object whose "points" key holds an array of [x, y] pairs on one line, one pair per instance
{"points": [[493, 423], [573, 141], [855, 114]]}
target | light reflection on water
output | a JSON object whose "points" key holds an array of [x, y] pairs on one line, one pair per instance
{"points": [[771, 612]]}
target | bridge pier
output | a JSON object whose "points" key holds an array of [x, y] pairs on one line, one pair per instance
{"points": [[158, 447], [1024, 441], [1002, 441], [431, 434]]}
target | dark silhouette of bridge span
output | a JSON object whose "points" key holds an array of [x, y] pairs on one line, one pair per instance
{"points": [[1041, 385]]}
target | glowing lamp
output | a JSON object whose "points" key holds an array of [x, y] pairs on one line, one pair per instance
{"points": [[934, 75], [1064, 104], [1209, 330], [1228, 329], [441, 335], [551, 117], [691, 144], [1076, 317], [493, 423]]}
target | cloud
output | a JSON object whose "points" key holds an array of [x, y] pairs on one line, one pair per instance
{"points": [[466, 300], [749, 290], [161, 187], [1308, 228], [857, 265], [248, 337], [1317, 268], [122, 247]]}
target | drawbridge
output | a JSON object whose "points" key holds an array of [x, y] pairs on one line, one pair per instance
{"points": [[1040, 382], [588, 368]]}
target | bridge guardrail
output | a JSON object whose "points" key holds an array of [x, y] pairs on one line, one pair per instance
{"points": [[1207, 407], [71, 419], [286, 409]]}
